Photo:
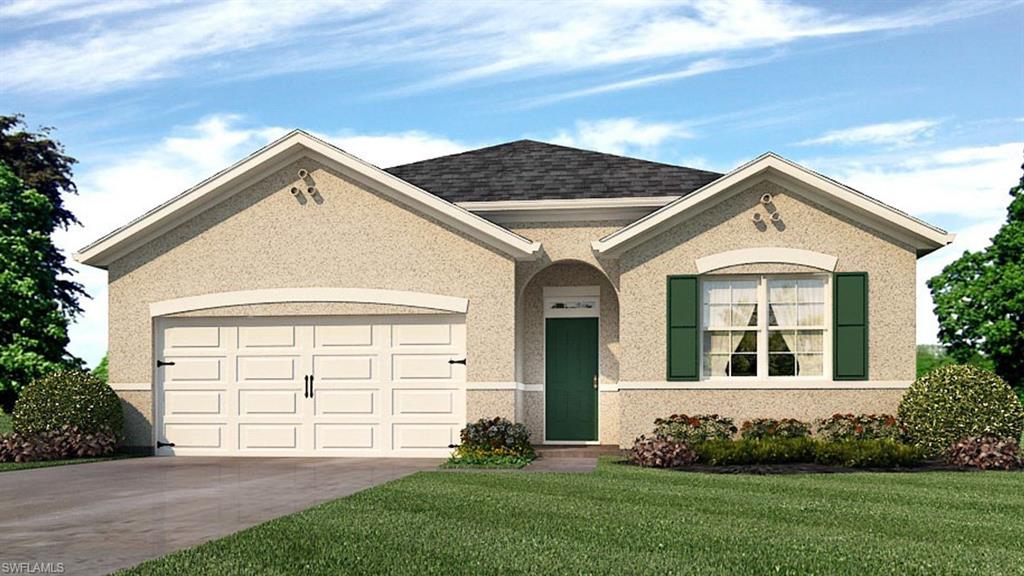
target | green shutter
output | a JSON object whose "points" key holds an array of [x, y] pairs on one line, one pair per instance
{"points": [[683, 328], [850, 325]]}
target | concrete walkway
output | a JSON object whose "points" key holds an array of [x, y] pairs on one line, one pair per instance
{"points": [[99, 517]]}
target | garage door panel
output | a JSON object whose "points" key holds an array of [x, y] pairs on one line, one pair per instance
{"points": [[421, 367], [186, 369], [362, 437], [178, 337], [257, 402], [255, 368], [189, 402], [195, 435], [266, 337], [269, 436], [343, 367], [342, 402], [424, 436], [422, 334], [343, 335], [410, 401]]}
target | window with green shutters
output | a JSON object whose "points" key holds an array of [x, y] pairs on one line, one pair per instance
{"points": [[683, 328], [850, 325]]}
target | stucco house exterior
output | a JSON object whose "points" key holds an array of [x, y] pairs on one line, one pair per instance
{"points": [[305, 302]]}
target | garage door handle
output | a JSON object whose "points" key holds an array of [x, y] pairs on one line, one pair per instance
{"points": [[463, 361], [310, 385], [305, 386]]}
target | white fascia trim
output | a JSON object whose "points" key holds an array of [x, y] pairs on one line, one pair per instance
{"points": [[505, 386], [926, 237], [755, 384], [274, 156], [282, 295], [567, 210], [766, 256]]}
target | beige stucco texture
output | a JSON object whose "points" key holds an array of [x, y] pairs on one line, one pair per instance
{"points": [[891, 268], [639, 408], [263, 237]]}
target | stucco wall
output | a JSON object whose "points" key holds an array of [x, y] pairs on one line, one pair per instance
{"points": [[891, 267], [490, 403], [263, 237], [639, 408]]}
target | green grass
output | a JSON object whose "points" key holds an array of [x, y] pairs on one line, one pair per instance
{"points": [[14, 466], [625, 520], [6, 426]]}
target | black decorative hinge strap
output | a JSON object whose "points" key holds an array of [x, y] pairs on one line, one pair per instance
{"points": [[463, 361], [161, 363]]}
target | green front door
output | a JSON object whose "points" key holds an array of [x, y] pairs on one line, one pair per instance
{"points": [[570, 386]]}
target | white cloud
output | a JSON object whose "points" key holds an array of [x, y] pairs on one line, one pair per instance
{"points": [[973, 237], [896, 134], [966, 187], [115, 192], [77, 47], [621, 135], [970, 183]]}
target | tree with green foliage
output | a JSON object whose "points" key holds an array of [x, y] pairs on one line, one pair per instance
{"points": [[38, 298], [979, 298], [100, 371]]}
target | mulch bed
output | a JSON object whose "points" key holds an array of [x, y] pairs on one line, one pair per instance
{"points": [[811, 468]]}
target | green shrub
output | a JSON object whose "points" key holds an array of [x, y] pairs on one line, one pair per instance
{"points": [[956, 402], [859, 427], [755, 451], [868, 454], [694, 429], [68, 398], [496, 435], [771, 428], [849, 453], [660, 452], [465, 456]]}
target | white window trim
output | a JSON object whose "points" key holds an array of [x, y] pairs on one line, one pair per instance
{"points": [[555, 293], [762, 333]]}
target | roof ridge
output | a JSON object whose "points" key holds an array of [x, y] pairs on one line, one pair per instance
{"points": [[553, 145]]}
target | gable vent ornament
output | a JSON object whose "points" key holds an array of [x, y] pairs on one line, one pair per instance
{"points": [[303, 173], [766, 199], [295, 191], [756, 217], [776, 216]]}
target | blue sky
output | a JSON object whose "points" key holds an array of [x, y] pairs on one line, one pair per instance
{"points": [[920, 104]]}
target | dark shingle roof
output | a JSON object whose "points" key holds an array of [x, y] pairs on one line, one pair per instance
{"points": [[530, 170]]}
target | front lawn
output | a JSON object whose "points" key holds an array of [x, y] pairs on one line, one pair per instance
{"points": [[626, 520], [12, 466]]}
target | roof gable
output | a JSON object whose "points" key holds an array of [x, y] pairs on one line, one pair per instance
{"points": [[924, 237], [530, 170], [276, 155]]}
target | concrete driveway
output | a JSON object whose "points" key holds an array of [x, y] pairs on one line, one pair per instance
{"points": [[96, 518]]}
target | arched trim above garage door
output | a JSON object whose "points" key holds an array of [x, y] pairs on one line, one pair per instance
{"points": [[280, 295]]}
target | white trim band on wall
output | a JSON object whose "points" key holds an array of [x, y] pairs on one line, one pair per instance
{"points": [[769, 385], [766, 256], [284, 295]]}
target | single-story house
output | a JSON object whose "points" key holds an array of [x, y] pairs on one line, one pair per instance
{"points": [[306, 302]]}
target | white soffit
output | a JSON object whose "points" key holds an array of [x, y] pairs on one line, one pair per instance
{"points": [[283, 295], [273, 157], [922, 236], [766, 256]]}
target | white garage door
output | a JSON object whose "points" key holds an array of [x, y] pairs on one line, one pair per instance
{"points": [[380, 386]]}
